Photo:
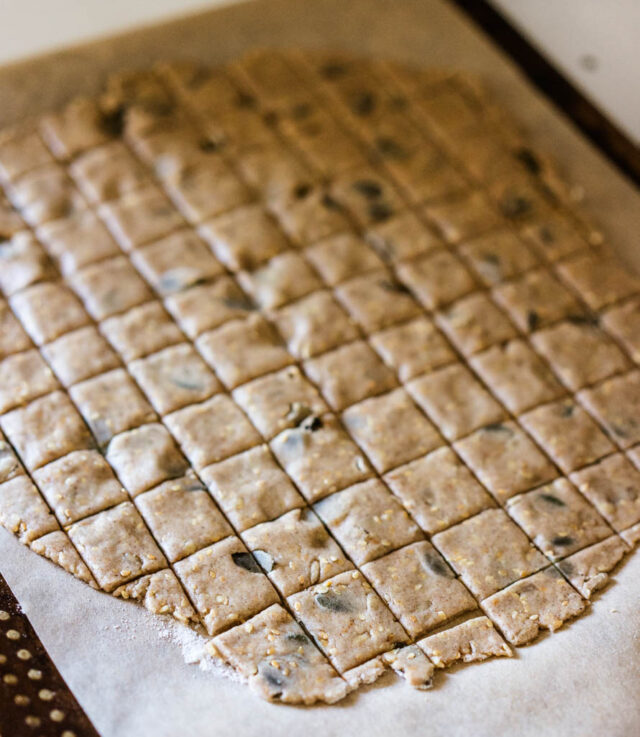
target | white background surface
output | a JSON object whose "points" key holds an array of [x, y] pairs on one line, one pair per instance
{"points": [[594, 42], [28, 27]]}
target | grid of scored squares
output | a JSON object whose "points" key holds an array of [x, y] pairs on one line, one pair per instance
{"points": [[436, 258]]}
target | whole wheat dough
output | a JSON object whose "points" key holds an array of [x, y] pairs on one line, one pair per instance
{"points": [[317, 356]]}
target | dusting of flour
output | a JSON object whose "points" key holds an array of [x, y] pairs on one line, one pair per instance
{"points": [[194, 646]]}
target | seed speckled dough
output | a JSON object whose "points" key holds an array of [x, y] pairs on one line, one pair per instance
{"points": [[317, 356]]}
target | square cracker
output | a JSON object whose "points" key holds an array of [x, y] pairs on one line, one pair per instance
{"points": [[516, 376], [505, 460], [558, 519], [401, 237], [497, 256], [347, 619], [308, 213], [79, 485], [141, 330], [110, 404], [109, 287], [206, 306], [46, 429], [172, 151], [390, 429], [588, 569], [226, 584], [615, 404], [23, 377], [280, 660], [553, 235], [23, 510], [470, 641], [296, 551], [206, 188], [369, 196], [284, 278], [176, 262], [349, 374], [48, 310], [463, 217], [419, 587], [241, 350], [341, 257], [474, 323], [79, 355], [174, 377], [244, 238], [272, 168], [567, 434], [140, 217], [212, 431], [455, 401], [438, 490], [251, 488], [377, 300], [182, 516], [299, 449], [436, 279], [542, 601], [489, 552], [107, 172], [279, 400], [77, 241], [44, 194], [426, 174], [367, 520], [613, 487], [324, 143], [144, 457], [579, 352], [413, 348], [535, 300], [116, 546], [599, 281], [315, 324], [24, 262]]}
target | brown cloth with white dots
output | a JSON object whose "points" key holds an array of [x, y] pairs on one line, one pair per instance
{"points": [[34, 699]]}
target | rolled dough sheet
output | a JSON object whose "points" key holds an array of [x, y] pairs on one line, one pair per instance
{"points": [[128, 671], [128, 679]]}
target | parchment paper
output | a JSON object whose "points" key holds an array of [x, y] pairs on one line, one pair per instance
{"points": [[131, 679]]}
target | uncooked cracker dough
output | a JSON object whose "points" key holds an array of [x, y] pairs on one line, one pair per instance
{"points": [[317, 356]]}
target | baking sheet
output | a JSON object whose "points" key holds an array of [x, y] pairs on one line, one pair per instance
{"points": [[121, 663]]}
